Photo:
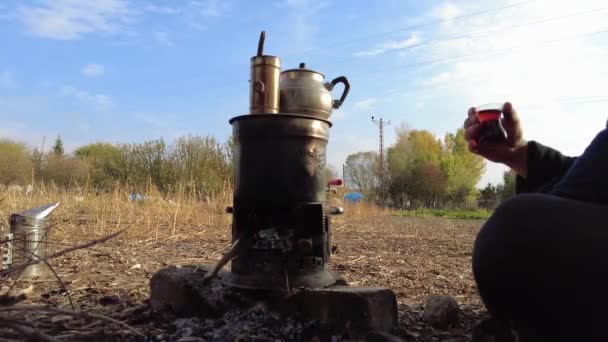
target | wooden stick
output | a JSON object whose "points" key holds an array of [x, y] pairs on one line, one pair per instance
{"points": [[61, 283], [60, 253], [71, 313], [31, 334]]}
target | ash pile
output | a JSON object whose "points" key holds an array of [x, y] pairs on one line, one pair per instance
{"points": [[278, 286]]}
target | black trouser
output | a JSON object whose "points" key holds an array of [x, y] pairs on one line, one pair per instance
{"points": [[542, 259]]}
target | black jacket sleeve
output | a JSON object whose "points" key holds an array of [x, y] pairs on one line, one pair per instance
{"points": [[546, 167]]}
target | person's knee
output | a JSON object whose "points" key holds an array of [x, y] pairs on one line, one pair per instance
{"points": [[502, 229], [495, 258]]}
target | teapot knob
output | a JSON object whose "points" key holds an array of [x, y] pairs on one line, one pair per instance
{"points": [[302, 65]]}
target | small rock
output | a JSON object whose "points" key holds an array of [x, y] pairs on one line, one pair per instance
{"points": [[109, 300], [182, 291], [136, 267], [339, 307], [381, 336], [441, 311], [27, 291], [340, 281]]}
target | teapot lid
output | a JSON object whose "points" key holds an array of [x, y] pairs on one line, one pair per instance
{"points": [[303, 68]]}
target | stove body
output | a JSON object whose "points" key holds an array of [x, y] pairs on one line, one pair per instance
{"points": [[280, 218]]}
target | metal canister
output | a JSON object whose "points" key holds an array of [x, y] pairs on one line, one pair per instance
{"points": [[264, 82], [29, 238]]}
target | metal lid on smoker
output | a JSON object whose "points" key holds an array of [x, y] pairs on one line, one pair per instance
{"points": [[39, 213]]}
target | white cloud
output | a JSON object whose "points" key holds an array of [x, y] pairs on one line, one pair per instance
{"points": [[163, 38], [93, 70], [301, 22], [365, 104], [7, 79], [85, 96], [201, 13], [73, 19], [441, 78], [390, 45], [446, 11]]}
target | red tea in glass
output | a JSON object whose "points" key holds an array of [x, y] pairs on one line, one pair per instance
{"points": [[492, 131]]}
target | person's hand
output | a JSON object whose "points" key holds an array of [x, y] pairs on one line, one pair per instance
{"points": [[512, 153]]}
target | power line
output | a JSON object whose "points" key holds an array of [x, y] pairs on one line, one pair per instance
{"points": [[462, 57], [524, 106], [490, 52], [485, 33], [472, 14], [413, 27], [510, 50]]}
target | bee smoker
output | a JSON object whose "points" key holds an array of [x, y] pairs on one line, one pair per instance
{"points": [[27, 239]]}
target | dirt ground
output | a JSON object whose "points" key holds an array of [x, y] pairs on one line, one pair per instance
{"points": [[413, 256]]}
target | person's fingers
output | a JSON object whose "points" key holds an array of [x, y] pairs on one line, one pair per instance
{"points": [[473, 145], [509, 113], [472, 112], [470, 120], [511, 124], [493, 152], [472, 132]]}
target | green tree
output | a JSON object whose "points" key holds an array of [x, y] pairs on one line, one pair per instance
{"points": [[489, 196], [201, 164], [58, 147], [147, 165], [37, 162], [508, 188], [65, 172], [361, 173], [15, 163], [462, 168], [104, 159], [414, 167]]}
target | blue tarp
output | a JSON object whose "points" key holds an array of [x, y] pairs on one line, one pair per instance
{"points": [[137, 197], [353, 197]]}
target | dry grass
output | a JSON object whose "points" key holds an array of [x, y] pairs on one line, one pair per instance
{"points": [[415, 256], [86, 213], [363, 210]]}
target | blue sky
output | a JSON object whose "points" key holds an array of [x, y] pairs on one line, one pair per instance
{"points": [[131, 70]]}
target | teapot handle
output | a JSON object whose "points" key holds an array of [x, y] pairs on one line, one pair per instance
{"points": [[343, 80]]}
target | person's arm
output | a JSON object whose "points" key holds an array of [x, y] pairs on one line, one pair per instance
{"points": [[545, 167]]}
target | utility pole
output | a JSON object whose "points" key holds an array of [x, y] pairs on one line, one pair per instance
{"points": [[381, 123]]}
